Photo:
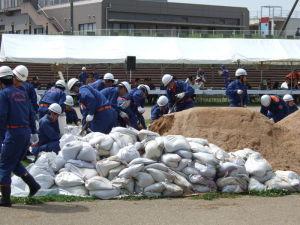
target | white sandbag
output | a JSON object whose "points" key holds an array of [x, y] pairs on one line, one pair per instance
{"points": [[115, 149], [144, 161], [74, 130], [155, 188], [160, 142], [95, 139], [71, 150], [173, 143], [158, 166], [98, 183], [255, 185], [182, 164], [128, 131], [256, 165], [103, 153], [90, 136], [267, 176], [106, 143], [46, 181], [144, 179], [17, 192], [58, 163], [206, 158], [226, 168], [160, 176], [79, 191], [147, 134], [131, 171], [87, 153], [172, 190], [218, 152], [83, 173], [202, 189], [291, 177], [232, 189], [244, 154], [208, 170], [81, 164], [36, 170], [200, 141], [123, 140], [67, 179], [123, 183], [105, 194], [104, 166], [152, 194], [171, 160], [127, 154], [184, 154], [152, 150], [18, 183], [242, 182], [66, 138], [196, 147], [115, 171], [190, 171], [200, 180], [181, 181]]}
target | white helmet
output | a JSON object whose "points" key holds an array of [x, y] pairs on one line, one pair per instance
{"points": [[288, 98], [69, 100], [5, 71], [55, 108], [83, 68], [162, 101], [21, 72], [60, 83], [126, 85], [265, 100], [145, 87], [72, 82], [166, 79], [108, 76], [240, 72]]}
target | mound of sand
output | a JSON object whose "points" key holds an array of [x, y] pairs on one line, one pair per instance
{"points": [[236, 128], [292, 122]]}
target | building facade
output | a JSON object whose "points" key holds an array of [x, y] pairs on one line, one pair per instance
{"points": [[53, 16]]}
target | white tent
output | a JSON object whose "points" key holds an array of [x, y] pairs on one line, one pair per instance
{"points": [[115, 49]]}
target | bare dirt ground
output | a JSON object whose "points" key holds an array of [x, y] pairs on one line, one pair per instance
{"points": [[240, 211]]}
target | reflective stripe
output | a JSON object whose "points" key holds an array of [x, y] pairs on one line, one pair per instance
{"points": [[15, 126], [104, 108], [43, 105]]}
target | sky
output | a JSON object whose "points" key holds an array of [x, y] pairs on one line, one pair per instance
{"points": [[252, 5]]}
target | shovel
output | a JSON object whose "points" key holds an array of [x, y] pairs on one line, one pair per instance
{"points": [[84, 128]]}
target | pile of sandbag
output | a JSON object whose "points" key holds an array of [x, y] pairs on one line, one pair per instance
{"points": [[131, 162]]}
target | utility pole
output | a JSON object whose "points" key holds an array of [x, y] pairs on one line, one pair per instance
{"points": [[72, 16], [288, 18]]}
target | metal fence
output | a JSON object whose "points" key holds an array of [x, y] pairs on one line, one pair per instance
{"points": [[190, 33]]}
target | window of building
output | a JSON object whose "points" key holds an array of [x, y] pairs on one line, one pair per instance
{"points": [[25, 32], [18, 32], [2, 27], [87, 27]]}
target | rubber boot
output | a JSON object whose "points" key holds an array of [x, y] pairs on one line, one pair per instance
{"points": [[5, 199], [34, 187]]}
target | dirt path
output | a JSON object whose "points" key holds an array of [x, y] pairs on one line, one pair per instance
{"points": [[240, 211]]}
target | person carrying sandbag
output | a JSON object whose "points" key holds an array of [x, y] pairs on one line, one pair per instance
{"points": [[179, 93], [94, 106]]}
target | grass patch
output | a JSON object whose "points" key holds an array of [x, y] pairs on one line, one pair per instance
{"points": [[51, 198], [138, 198], [217, 195]]}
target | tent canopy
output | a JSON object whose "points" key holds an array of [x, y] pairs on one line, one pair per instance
{"points": [[114, 49]]}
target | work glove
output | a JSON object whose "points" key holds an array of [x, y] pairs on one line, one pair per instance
{"points": [[141, 110], [123, 115], [89, 118], [240, 92], [180, 96], [34, 139]]}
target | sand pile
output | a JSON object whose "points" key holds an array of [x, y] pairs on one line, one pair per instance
{"points": [[292, 122], [236, 128]]}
